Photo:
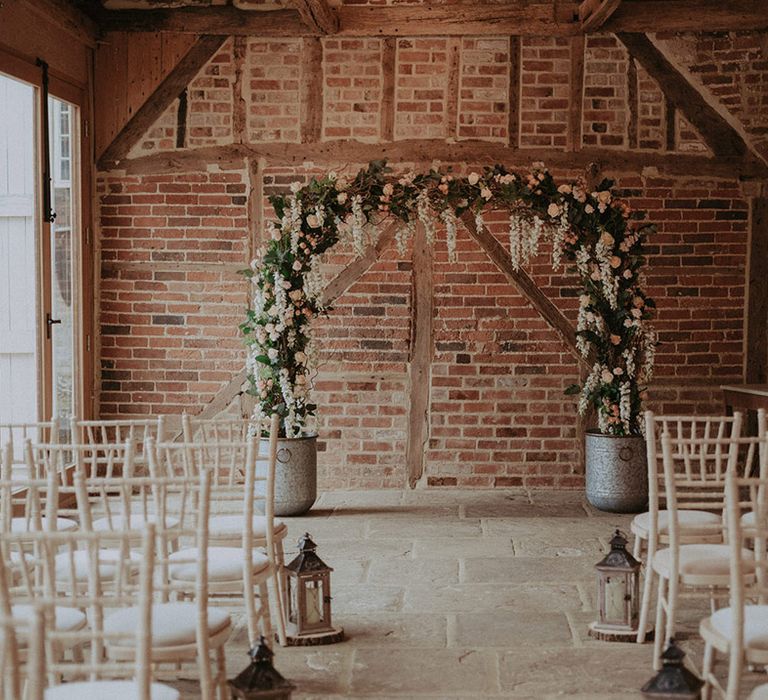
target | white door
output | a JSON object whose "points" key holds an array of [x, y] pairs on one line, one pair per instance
{"points": [[18, 268]]}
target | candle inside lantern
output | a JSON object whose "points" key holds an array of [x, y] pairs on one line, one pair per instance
{"points": [[615, 599], [314, 603]]}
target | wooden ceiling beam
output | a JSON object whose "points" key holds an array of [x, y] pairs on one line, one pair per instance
{"points": [[699, 109], [593, 14], [163, 96], [452, 19], [318, 15], [428, 150]]}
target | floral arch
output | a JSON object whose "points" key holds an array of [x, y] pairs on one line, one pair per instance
{"points": [[592, 231]]}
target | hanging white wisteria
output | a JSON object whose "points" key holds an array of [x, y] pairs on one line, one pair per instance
{"points": [[593, 231]]}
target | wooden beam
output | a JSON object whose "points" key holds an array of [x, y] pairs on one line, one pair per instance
{"points": [[576, 99], [644, 16], [318, 15], [332, 153], [513, 100], [311, 104], [450, 19], [633, 105], [421, 355], [525, 285], [452, 92], [593, 14], [67, 16], [756, 313], [721, 137], [205, 20], [355, 270], [178, 79], [388, 69]]}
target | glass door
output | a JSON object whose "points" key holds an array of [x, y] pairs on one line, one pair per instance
{"points": [[61, 317]]}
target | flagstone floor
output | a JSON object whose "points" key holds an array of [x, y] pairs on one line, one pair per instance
{"points": [[463, 594]]}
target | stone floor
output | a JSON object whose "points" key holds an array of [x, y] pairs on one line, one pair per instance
{"points": [[462, 594]]}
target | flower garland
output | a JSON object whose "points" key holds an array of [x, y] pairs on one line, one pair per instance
{"points": [[591, 230]]}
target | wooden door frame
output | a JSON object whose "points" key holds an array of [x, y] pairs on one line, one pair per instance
{"points": [[23, 68]]}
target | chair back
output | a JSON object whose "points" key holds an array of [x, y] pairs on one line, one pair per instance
{"points": [[110, 432], [20, 638], [16, 435], [75, 571]]}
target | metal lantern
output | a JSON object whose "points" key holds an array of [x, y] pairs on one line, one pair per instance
{"points": [[308, 598], [618, 593], [261, 680], [674, 680]]}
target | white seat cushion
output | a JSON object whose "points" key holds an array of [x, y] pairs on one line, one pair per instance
{"points": [[67, 619], [114, 690], [692, 522], [224, 564], [135, 521], [62, 524], [698, 560], [173, 624], [108, 559], [748, 520], [760, 693], [755, 625], [233, 525]]}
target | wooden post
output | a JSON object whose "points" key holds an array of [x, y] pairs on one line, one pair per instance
{"points": [[388, 69], [311, 90], [513, 126], [421, 353], [756, 317], [576, 100]]}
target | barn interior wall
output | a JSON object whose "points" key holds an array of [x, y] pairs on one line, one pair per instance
{"points": [[181, 216]]}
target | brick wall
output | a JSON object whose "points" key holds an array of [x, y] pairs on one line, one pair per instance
{"points": [[170, 297]]}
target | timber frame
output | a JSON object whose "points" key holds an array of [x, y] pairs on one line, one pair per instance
{"points": [[732, 155]]}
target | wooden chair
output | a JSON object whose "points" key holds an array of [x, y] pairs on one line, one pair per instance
{"points": [[700, 569], [17, 434], [17, 635], [651, 529], [184, 629], [127, 587], [218, 430], [111, 432], [234, 493], [740, 631]]}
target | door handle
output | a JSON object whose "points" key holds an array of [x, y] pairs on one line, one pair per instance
{"points": [[48, 323]]}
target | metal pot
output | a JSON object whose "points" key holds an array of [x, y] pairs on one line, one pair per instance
{"points": [[617, 472], [295, 474]]}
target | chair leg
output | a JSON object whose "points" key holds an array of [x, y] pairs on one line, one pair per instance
{"points": [[673, 586], [658, 641], [251, 618], [266, 618], [645, 601], [637, 547], [735, 667], [221, 674], [281, 636], [706, 671]]}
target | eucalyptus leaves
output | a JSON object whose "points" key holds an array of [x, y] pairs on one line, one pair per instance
{"points": [[591, 230]]}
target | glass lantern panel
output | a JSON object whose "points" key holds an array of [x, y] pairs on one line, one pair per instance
{"points": [[314, 602], [615, 600], [293, 600]]}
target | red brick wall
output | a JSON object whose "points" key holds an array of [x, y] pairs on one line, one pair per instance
{"points": [[170, 298]]}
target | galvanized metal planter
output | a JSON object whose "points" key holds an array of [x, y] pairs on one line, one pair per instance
{"points": [[295, 474], [617, 472]]}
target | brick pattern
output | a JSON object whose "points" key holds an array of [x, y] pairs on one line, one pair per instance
{"points": [[484, 89], [734, 67], [161, 136], [272, 90], [544, 89], [170, 298], [651, 112], [605, 113], [688, 138], [420, 88], [353, 79]]}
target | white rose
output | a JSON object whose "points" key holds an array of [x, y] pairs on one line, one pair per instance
{"points": [[486, 194], [473, 178], [295, 187], [301, 357], [297, 265], [607, 239], [388, 189], [618, 371], [607, 376], [627, 274], [553, 210], [589, 209], [313, 221], [341, 197], [637, 313], [564, 189], [272, 354]]}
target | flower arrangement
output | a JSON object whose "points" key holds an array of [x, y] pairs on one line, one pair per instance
{"points": [[591, 230]]}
